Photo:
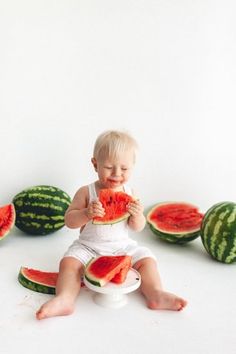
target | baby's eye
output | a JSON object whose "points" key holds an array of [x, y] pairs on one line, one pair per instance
{"points": [[124, 169], [108, 167]]}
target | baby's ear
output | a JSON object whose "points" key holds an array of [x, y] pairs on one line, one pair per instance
{"points": [[94, 162]]}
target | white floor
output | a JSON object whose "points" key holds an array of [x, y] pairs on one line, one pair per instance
{"points": [[206, 326]]}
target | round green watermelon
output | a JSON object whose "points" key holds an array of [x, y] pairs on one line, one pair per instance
{"points": [[40, 210], [218, 232]]}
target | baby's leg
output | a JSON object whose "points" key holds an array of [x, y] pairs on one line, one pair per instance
{"points": [[67, 290], [151, 287]]}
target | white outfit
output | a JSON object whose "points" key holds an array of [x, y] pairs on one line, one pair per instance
{"points": [[96, 240]]}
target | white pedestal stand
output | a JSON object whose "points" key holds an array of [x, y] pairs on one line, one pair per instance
{"points": [[113, 295]]}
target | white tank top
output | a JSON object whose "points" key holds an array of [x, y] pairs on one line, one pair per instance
{"points": [[104, 234]]}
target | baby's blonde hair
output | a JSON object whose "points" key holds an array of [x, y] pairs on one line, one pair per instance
{"points": [[112, 142]]}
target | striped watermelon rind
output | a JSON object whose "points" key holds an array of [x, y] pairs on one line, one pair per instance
{"points": [[218, 232], [40, 210], [29, 279], [175, 238]]}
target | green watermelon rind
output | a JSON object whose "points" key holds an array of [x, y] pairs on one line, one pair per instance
{"points": [[90, 278], [40, 210], [113, 221], [35, 286], [93, 282], [218, 232], [175, 238]]}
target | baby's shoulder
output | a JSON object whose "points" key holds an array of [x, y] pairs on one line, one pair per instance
{"points": [[82, 192]]}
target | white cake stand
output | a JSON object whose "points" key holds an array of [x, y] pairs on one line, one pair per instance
{"points": [[113, 295]]}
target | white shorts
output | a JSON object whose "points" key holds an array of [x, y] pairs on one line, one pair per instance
{"points": [[84, 253]]}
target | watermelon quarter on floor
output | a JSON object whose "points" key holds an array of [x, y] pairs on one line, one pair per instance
{"points": [[37, 280], [218, 232], [40, 210]]}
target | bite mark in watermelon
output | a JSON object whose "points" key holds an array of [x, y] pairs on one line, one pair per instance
{"points": [[99, 271], [7, 219], [115, 205], [175, 222]]}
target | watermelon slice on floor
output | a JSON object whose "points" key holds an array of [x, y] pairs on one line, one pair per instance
{"points": [[115, 205], [7, 219], [99, 271], [39, 281], [175, 222]]}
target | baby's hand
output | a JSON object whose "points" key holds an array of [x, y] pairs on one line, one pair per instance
{"points": [[94, 209], [135, 208]]}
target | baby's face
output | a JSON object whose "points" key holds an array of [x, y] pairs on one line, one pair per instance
{"points": [[114, 172]]}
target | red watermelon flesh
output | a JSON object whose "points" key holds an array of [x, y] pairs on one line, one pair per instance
{"points": [[103, 269], [115, 205], [38, 276], [175, 217], [120, 277], [7, 219]]}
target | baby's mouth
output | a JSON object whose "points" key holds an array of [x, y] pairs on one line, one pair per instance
{"points": [[114, 181]]}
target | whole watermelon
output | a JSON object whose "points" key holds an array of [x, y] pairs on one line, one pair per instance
{"points": [[218, 232], [40, 210]]}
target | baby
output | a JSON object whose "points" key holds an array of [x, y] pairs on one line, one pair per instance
{"points": [[113, 160]]}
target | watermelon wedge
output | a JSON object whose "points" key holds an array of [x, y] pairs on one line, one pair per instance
{"points": [[99, 271], [7, 219], [115, 205], [37, 280]]}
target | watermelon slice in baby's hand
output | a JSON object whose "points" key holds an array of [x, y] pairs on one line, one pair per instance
{"points": [[115, 205], [99, 271]]}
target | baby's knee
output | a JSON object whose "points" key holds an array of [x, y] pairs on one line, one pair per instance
{"points": [[146, 261], [71, 263]]}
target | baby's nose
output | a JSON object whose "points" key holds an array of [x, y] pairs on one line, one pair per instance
{"points": [[116, 172]]}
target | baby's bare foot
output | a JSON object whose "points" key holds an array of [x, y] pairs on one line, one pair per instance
{"points": [[162, 300], [55, 307]]}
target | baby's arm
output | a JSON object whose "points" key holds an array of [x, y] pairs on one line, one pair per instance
{"points": [[136, 220], [80, 212]]}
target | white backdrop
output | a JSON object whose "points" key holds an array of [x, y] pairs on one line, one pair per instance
{"points": [[163, 70]]}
